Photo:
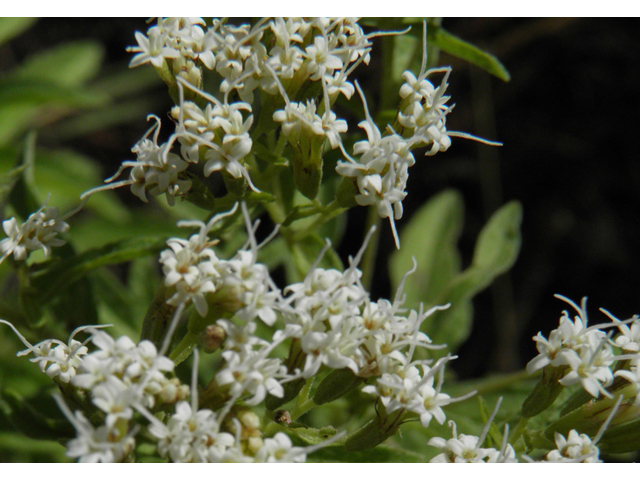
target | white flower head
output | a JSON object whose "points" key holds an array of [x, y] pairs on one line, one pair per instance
{"points": [[39, 231]]}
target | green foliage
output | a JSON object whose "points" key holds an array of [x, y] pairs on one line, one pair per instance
{"points": [[439, 279]]}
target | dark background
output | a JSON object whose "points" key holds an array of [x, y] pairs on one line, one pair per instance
{"points": [[568, 121]]}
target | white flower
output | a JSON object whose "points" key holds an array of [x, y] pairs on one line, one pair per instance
{"points": [[191, 436], [575, 447], [590, 367], [321, 58], [102, 444], [461, 449], [152, 49], [251, 372], [280, 449], [57, 359], [116, 399], [39, 231]]}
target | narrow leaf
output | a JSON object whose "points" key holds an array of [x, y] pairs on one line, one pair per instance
{"points": [[50, 281], [461, 49], [11, 27], [70, 64], [432, 233]]}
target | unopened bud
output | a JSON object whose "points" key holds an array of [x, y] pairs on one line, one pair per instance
{"points": [[212, 338]]}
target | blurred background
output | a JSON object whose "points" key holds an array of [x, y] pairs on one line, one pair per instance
{"points": [[567, 118]]}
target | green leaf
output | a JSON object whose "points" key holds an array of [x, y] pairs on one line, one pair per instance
{"points": [[405, 48], [74, 305], [304, 253], [23, 196], [461, 49], [496, 250], [380, 454], [432, 233], [499, 241], [49, 281], [8, 181], [18, 91], [17, 448], [30, 420], [311, 436], [70, 64], [67, 174], [11, 27]]}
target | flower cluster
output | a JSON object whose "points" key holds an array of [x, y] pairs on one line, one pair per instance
{"points": [[39, 231], [468, 448], [381, 170], [120, 378], [586, 352], [328, 317], [275, 56]]}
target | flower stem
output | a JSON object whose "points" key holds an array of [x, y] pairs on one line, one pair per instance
{"points": [[368, 264]]}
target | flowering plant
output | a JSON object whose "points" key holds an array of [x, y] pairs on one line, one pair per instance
{"points": [[300, 363]]}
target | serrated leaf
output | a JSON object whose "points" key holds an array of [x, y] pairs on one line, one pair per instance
{"points": [[11, 27], [472, 54], [430, 237], [75, 304], [70, 64]]}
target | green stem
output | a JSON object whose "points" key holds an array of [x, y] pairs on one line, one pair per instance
{"points": [[519, 430], [184, 348], [368, 263]]}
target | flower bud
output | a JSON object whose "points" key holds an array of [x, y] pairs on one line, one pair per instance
{"points": [[212, 338]]}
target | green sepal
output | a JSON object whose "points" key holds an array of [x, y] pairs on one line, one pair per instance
{"points": [[346, 194], [157, 319], [581, 397], [621, 438], [545, 392], [336, 384], [200, 195], [307, 177], [371, 434], [589, 417]]}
